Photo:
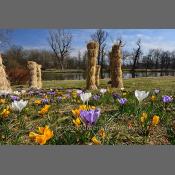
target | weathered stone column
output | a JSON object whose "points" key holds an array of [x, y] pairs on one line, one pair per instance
{"points": [[4, 82], [92, 48], [116, 64], [98, 67], [39, 79], [33, 74]]}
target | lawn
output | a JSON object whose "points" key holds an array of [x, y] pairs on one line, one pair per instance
{"points": [[117, 115], [146, 83]]}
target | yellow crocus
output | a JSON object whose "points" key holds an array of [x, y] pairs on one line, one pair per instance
{"points": [[44, 110], [76, 112], [43, 137], [102, 133], [153, 98], [143, 117], [95, 141], [48, 133], [5, 113], [77, 122], [37, 102], [155, 120], [2, 101]]}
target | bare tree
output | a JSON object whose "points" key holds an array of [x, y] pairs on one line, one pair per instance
{"points": [[60, 42], [100, 36], [136, 56]]}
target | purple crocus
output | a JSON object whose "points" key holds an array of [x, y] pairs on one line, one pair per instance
{"points": [[116, 96], [96, 97], [90, 117], [14, 97], [167, 99], [122, 101], [59, 99], [69, 90], [51, 93], [45, 100], [67, 96], [79, 92], [30, 92]]}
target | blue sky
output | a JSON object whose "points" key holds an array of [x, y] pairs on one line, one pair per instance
{"points": [[151, 38]]}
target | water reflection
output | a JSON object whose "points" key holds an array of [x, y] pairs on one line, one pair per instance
{"points": [[81, 76]]}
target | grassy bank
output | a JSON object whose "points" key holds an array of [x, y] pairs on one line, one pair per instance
{"points": [[81, 70]]}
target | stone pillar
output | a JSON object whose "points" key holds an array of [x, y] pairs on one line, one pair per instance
{"points": [[39, 79], [116, 64], [33, 74], [98, 67], [92, 48], [4, 82]]}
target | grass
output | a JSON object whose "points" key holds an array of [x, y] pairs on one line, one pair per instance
{"points": [[122, 123], [163, 83]]}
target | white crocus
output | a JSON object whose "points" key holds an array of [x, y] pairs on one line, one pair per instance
{"points": [[16, 92], [103, 91], [23, 91], [19, 105], [141, 95], [85, 97]]}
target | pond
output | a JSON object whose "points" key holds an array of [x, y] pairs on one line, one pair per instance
{"points": [[81, 76]]}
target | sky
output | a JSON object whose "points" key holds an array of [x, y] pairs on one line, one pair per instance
{"points": [[151, 38]]}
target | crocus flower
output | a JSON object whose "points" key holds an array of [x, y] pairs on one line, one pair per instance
{"points": [[103, 91], [43, 135], [143, 117], [16, 92], [156, 91], [116, 96], [19, 105], [44, 110], [155, 120], [59, 98], [51, 93], [2, 101], [96, 97], [37, 102], [95, 141], [90, 117], [69, 90], [85, 97], [167, 99], [23, 91], [67, 96], [122, 101], [153, 98], [5, 113], [102, 133], [14, 97], [77, 122], [141, 95], [45, 100], [79, 91]]}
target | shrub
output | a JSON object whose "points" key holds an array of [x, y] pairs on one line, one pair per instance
{"points": [[18, 75]]}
